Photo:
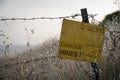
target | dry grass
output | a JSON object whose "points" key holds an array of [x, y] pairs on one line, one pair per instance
{"points": [[42, 64], [39, 64]]}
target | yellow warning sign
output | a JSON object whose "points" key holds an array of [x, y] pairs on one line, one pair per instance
{"points": [[81, 41]]}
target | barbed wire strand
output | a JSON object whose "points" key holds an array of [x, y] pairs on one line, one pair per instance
{"points": [[37, 18], [48, 18]]}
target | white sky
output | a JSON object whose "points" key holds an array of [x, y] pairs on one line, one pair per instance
{"points": [[45, 29]]}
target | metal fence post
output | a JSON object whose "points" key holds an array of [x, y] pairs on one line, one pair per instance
{"points": [[94, 65]]}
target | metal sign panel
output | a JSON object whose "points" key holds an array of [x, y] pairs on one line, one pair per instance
{"points": [[81, 41]]}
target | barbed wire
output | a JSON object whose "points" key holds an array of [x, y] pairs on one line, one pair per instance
{"points": [[37, 18], [50, 18]]}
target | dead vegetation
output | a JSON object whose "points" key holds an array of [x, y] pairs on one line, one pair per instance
{"points": [[43, 64]]}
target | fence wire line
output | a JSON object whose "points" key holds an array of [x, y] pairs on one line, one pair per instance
{"points": [[37, 18], [47, 18]]}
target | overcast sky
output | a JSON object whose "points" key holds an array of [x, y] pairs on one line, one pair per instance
{"points": [[45, 29]]}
